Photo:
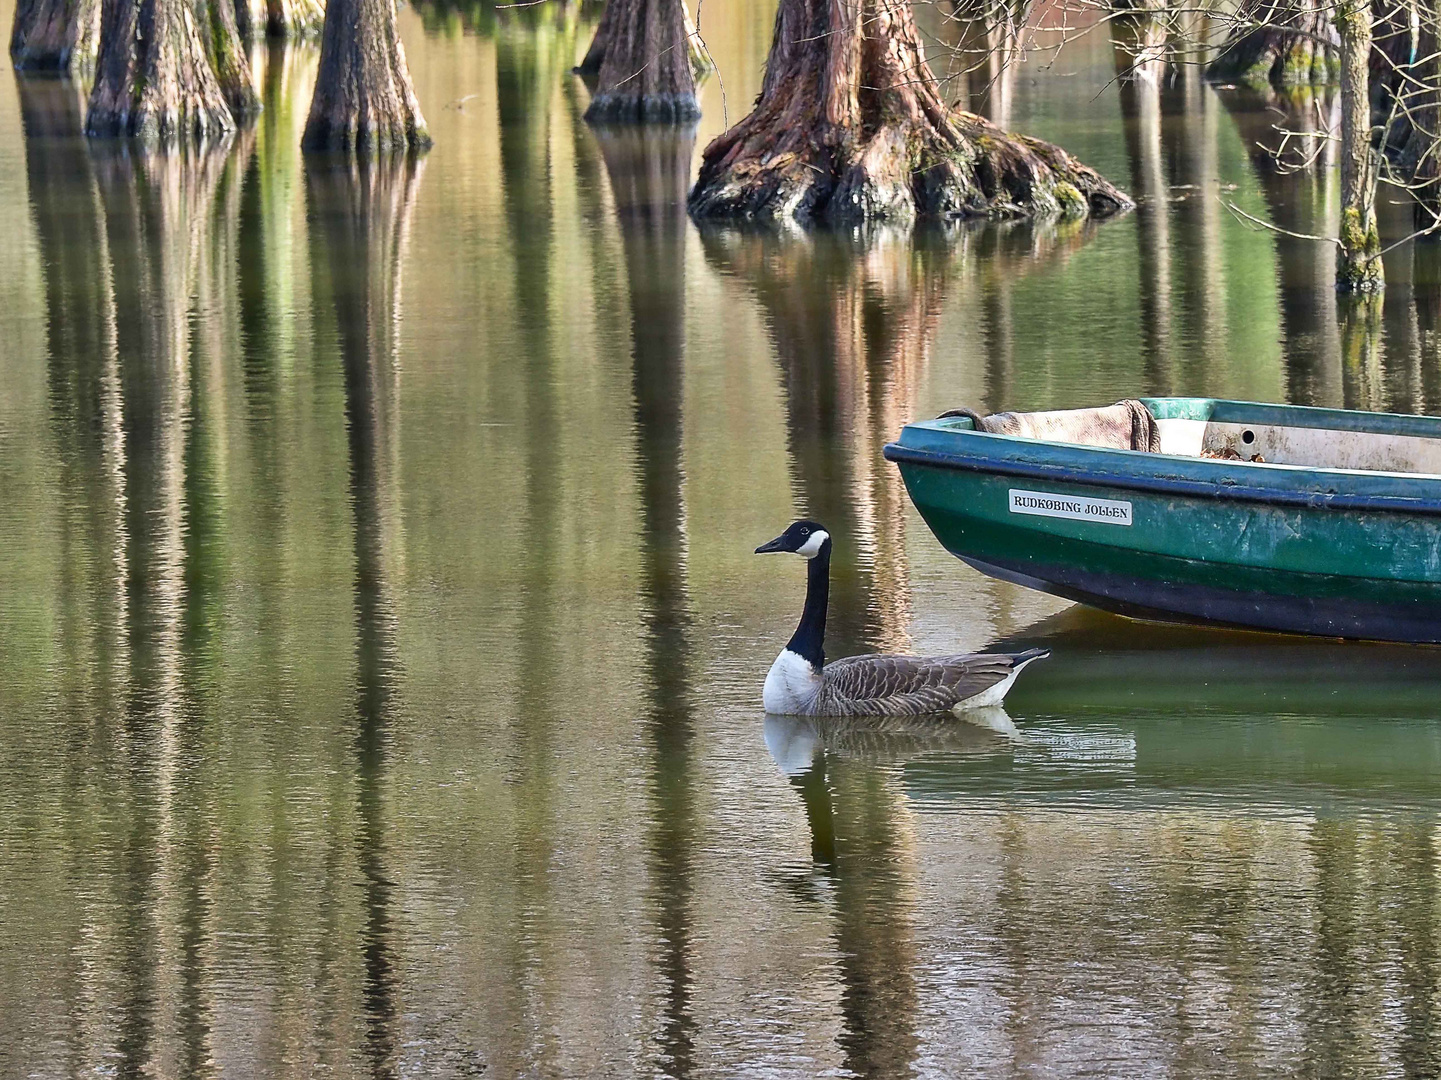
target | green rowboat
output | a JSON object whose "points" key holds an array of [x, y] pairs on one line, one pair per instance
{"points": [[1273, 517]]}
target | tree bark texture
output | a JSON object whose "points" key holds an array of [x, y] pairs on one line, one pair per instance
{"points": [[1280, 42], [1358, 262], [228, 58], [279, 18], [645, 73], [364, 100], [850, 127], [169, 70], [55, 35], [605, 31]]}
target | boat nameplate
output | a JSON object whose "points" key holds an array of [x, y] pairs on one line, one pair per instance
{"points": [[1074, 507]]}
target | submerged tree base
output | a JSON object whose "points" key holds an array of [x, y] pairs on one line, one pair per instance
{"points": [[951, 165], [850, 126], [55, 35], [639, 65], [620, 108], [1280, 44], [364, 100]]}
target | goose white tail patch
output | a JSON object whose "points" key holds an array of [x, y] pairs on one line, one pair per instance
{"points": [[994, 695]]}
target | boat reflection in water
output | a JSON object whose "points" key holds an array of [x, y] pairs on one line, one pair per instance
{"points": [[1128, 713], [1250, 810]]}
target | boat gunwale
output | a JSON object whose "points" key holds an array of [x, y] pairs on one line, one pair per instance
{"points": [[1223, 486], [1413, 425]]}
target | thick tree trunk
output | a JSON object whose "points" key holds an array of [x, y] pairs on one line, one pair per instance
{"points": [[168, 70], [294, 18], [227, 56], [364, 99], [55, 35], [850, 126], [250, 18], [607, 29], [1280, 42], [645, 73], [279, 18], [1358, 262]]}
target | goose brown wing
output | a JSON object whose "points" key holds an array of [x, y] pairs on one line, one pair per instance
{"points": [[882, 685]]}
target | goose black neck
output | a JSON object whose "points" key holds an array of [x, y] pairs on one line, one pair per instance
{"points": [[809, 639]]}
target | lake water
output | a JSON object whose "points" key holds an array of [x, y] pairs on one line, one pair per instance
{"points": [[381, 643]]}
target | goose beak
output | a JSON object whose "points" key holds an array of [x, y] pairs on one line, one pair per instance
{"points": [[778, 544]]}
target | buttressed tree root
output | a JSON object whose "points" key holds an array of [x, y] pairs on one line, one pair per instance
{"points": [[641, 60], [364, 100], [169, 70], [850, 127]]}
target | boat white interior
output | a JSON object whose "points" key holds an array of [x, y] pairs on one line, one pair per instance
{"points": [[1128, 426]]}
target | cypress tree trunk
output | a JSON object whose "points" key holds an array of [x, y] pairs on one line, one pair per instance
{"points": [[55, 35], [250, 18], [155, 78], [1358, 263], [294, 18], [279, 18], [645, 72], [363, 99], [227, 56], [850, 126], [1280, 42]]}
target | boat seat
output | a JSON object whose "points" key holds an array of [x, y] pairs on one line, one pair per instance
{"points": [[1126, 425]]}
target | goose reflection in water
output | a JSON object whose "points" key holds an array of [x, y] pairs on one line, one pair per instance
{"points": [[864, 866], [796, 743]]}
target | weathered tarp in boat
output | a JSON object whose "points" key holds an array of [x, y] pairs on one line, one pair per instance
{"points": [[1126, 425]]}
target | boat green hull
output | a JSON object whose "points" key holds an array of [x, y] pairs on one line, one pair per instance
{"points": [[1276, 548]]}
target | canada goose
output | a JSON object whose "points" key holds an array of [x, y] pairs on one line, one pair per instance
{"points": [[801, 683]]}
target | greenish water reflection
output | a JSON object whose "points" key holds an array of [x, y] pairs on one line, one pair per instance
{"points": [[380, 642]]}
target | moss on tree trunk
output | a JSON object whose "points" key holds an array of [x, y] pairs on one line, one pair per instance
{"points": [[1280, 43], [1358, 260], [226, 52], [363, 99], [55, 35], [168, 70], [850, 126]]}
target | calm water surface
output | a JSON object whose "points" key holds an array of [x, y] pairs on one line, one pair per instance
{"points": [[381, 646]]}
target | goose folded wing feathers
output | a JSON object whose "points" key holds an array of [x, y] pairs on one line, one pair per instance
{"points": [[892, 685]]}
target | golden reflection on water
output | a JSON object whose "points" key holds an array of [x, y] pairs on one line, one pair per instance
{"points": [[380, 643]]}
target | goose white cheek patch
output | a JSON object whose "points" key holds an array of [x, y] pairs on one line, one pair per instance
{"points": [[812, 547]]}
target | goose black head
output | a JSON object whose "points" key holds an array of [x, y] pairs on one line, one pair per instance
{"points": [[804, 537]]}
